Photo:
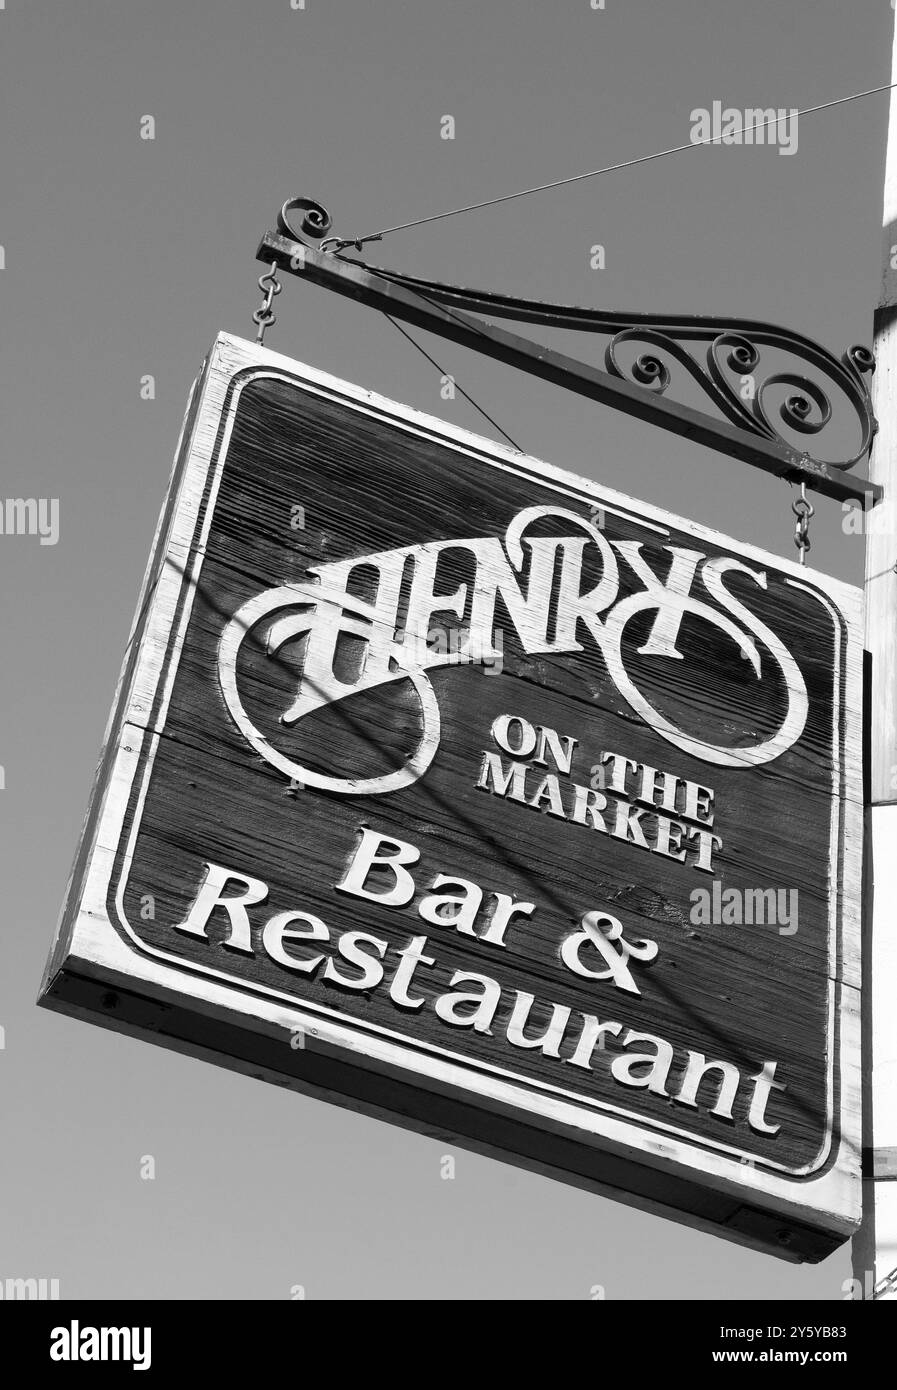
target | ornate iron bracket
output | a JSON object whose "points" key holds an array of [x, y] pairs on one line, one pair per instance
{"points": [[756, 406]]}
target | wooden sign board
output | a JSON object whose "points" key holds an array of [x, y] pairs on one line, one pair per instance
{"points": [[459, 790]]}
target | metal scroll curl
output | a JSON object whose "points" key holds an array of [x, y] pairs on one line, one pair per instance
{"points": [[724, 357], [313, 226]]}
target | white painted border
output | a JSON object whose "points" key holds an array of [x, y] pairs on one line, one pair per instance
{"points": [[230, 356]]}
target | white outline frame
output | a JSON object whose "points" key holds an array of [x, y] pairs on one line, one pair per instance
{"points": [[84, 933]]}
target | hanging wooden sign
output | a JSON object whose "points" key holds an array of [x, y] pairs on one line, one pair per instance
{"points": [[457, 789]]}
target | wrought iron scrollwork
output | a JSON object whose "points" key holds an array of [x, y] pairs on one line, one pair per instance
{"points": [[711, 351], [758, 383]]}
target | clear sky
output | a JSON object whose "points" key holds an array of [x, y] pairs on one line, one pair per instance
{"points": [[124, 257]]}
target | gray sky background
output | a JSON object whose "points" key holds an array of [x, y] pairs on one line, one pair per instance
{"points": [[126, 257]]}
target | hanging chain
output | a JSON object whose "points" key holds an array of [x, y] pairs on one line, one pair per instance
{"points": [[803, 510], [885, 1285], [264, 315]]}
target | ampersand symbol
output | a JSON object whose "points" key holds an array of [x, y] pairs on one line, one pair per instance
{"points": [[605, 933]]}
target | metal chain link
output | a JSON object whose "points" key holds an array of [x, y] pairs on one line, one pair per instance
{"points": [[803, 510], [885, 1285], [264, 315]]}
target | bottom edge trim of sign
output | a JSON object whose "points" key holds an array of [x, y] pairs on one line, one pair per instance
{"points": [[726, 1209]]}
